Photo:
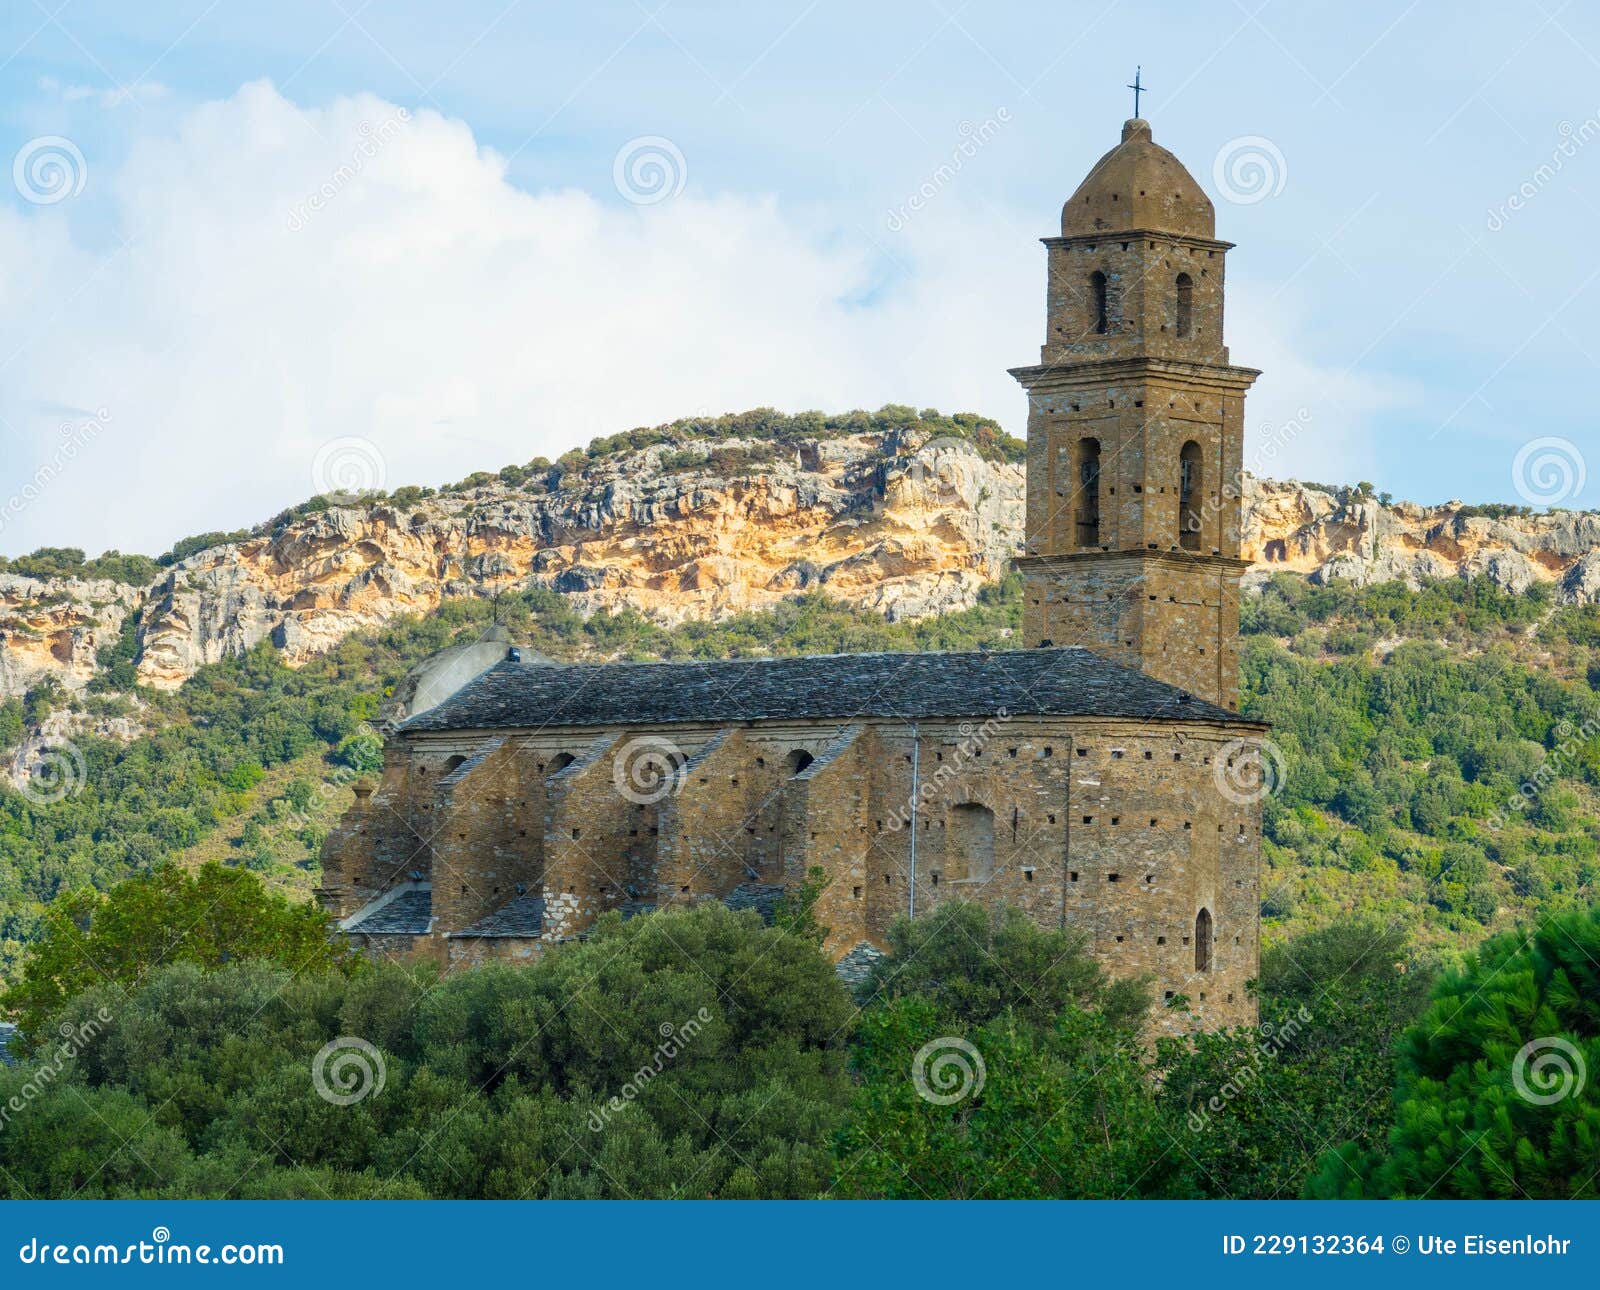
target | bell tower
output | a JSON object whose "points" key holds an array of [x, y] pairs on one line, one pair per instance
{"points": [[1136, 430]]}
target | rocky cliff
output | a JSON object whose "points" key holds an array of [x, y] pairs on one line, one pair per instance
{"points": [[894, 521]]}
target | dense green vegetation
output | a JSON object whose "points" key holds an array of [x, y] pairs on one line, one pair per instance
{"points": [[698, 1053], [1495, 1095]]}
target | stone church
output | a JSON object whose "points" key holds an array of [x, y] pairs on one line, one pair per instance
{"points": [[1099, 779]]}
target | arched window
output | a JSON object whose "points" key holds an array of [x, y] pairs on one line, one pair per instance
{"points": [[1097, 302], [1185, 303], [1190, 492], [560, 762], [970, 852], [1202, 941], [797, 761], [456, 761], [1086, 501]]}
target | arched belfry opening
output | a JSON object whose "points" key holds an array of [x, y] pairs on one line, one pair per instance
{"points": [[1190, 493], [1086, 501], [797, 761], [1185, 304], [1098, 310], [970, 847], [1202, 941]]}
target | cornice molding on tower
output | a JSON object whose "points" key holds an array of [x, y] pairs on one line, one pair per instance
{"points": [[1101, 371], [1136, 234], [1180, 558]]}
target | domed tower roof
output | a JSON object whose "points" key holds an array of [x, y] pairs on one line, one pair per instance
{"points": [[1138, 184]]}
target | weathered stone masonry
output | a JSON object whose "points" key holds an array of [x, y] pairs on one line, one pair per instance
{"points": [[1083, 780]]}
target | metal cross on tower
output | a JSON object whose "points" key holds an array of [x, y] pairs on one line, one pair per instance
{"points": [[1137, 89]]}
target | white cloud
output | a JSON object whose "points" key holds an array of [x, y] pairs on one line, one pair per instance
{"points": [[425, 303]]}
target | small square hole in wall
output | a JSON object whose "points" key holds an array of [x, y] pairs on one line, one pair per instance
{"points": [[1116, 819], [1072, 876], [1088, 819], [1116, 754], [1011, 752], [1148, 755], [1152, 824], [575, 834], [1185, 940], [1027, 875], [1051, 818], [1119, 940], [1113, 877], [888, 879], [1161, 940], [1230, 998], [1083, 752], [855, 893], [935, 880], [1047, 751], [684, 890], [1149, 879], [1202, 996], [1168, 996], [1177, 756], [1187, 825], [761, 761]]}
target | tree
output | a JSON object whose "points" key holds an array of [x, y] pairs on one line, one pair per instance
{"points": [[996, 1059], [1253, 1107], [211, 917], [1496, 1093]]}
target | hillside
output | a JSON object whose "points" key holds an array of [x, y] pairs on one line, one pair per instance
{"points": [[898, 513], [1423, 667]]}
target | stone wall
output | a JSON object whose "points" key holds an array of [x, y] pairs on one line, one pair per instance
{"points": [[1118, 828]]}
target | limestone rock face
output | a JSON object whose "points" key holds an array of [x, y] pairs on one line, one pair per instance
{"points": [[1290, 527], [901, 528], [54, 627], [891, 523]]}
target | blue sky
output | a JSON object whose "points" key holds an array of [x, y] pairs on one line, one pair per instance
{"points": [[483, 291]]}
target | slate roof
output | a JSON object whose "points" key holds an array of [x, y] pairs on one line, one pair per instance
{"points": [[854, 968], [1026, 682], [409, 913], [763, 897], [524, 916], [7, 1030]]}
